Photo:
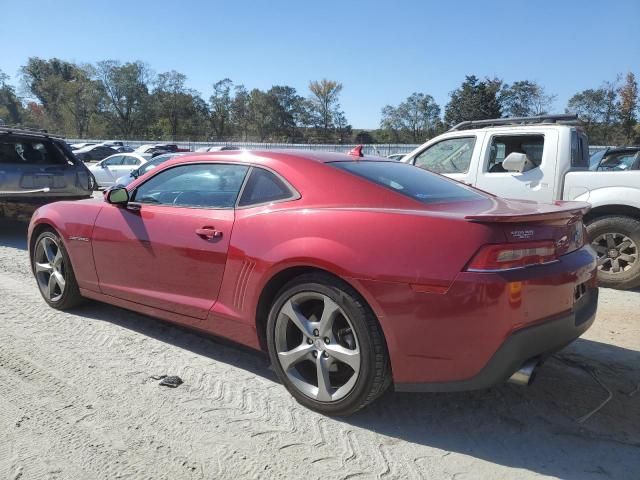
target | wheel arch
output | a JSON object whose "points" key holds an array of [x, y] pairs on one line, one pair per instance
{"points": [[281, 278], [612, 210]]}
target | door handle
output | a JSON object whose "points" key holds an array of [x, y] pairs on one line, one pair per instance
{"points": [[208, 233]]}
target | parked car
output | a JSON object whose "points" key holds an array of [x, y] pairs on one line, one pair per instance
{"points": [[546, 159], [217, 148], [37, 168], [108, 170], [126, 179], [352, 273], [396, 156], [78, 146], [616, 159], [94, 153], [166, 147]]}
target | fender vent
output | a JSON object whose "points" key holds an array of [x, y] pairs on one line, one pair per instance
{"points": [[241, 283]]}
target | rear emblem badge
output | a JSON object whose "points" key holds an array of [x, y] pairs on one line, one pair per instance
{"points": [[522, 234]]}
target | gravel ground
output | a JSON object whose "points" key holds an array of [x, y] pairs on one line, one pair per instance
{"points": [[77, 401]]}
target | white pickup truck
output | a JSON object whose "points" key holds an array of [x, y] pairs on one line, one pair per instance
{"points": [[546, 159]]}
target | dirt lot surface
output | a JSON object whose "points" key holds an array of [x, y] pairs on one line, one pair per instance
{"points": [[77, 401]]}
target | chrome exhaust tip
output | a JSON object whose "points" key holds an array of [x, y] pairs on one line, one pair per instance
{"points": [[526, 374]]}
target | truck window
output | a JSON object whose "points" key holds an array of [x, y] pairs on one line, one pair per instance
{"points": [[579, 150], [503, 145], [452, 155]]}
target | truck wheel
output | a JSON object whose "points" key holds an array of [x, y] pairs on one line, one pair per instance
{"points": [[616, 240]]}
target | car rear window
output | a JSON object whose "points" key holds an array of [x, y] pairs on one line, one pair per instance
{"points": [[30, 151], [414, 182]]}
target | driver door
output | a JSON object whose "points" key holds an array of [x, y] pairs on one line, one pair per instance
{"points": [[167, 248]]}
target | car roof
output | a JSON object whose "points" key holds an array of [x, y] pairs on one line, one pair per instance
{"points": [[29, 132], [290, 157]]}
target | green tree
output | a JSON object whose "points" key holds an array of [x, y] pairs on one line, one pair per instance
{"points": [[416, 118], [221, 105], [524, 99], [240, 111], [260, 114], [286, 112], [598, 109], [176, 103], [343, 128], [324, 101], [11, 110], [127, 91], [474, 100], [628, 94]]}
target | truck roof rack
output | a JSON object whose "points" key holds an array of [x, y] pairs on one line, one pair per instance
{"points": [[39, 131], [570, 118]]}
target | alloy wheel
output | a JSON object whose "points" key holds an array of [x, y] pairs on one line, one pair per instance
{"points": [[50, 268], [617, 253], [317, 346]]}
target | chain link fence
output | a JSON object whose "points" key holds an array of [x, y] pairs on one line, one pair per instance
{"points": [[379, 149]]}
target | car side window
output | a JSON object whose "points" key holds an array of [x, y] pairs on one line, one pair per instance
{"points": [[113, 161], [502, 145], [263, 187], [194, 185], [452, 155], [130, 161]]}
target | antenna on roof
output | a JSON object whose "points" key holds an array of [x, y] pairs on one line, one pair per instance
{"points": [[357, 151]]}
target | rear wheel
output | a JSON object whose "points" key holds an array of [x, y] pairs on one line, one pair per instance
{"points": [[616, 240], [53, 272], [326, 345]]}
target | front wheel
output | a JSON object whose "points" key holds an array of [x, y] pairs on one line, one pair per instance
{"points": [[616, 240], [53, 272], [326, 345]]}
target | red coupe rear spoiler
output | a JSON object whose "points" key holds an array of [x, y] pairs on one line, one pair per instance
{"points": [[558, 211]]}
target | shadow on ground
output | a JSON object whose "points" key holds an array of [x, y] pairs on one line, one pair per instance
{"points": [[535, 428], [13, 234]]}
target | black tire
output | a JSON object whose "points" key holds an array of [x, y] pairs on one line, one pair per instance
{"points": [[71, 294], [618, 226], [375, 372]]}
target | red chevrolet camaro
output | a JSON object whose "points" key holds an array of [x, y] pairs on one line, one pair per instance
{"points": [[353, 273]]}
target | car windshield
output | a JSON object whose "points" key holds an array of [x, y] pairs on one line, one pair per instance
{"points": [[620, 161], [411, 181], [594, 160], [154, 163]]}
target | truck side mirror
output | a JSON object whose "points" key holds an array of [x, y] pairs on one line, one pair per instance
{"points": [[517, 162]]}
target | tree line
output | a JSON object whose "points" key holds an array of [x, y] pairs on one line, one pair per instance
{"points": [[111, 99]]}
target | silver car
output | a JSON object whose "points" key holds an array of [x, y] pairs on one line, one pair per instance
{"points": [[37, 168]]}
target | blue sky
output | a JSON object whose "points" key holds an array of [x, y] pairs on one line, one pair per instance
{"points": [[380, 51]]}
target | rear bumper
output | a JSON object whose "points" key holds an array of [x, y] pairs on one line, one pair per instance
{"points": [[537, 341], [469, 335]]}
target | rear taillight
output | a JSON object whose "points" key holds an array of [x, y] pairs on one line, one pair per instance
{"points": [[509, 256]]}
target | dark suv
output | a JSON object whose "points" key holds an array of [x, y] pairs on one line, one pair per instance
{"points": [[37, 168]]}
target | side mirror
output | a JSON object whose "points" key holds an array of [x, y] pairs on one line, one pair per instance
{"points": [[117, 196], [517, 162]]}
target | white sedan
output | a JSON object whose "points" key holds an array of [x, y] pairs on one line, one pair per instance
{"points": [[106, 171]]}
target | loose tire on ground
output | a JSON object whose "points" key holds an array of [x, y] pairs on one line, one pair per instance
{"points": [[326, 324], [616, 240]]}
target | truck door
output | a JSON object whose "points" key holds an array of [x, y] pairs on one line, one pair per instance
{"points": [[455, 157], [537, 182]]}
